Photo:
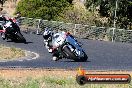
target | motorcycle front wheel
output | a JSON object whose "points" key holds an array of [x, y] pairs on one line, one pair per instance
{"points": [[84, 58], [69, 53]]}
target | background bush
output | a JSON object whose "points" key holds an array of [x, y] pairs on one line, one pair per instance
{"points": [[45, 9]]}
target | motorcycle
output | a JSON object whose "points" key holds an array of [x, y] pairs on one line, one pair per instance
{"points": [[68, 47], [12, 31]]}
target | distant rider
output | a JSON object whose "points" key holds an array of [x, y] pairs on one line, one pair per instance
{"points": [[3, 20]]}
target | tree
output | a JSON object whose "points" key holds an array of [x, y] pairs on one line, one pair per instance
{"points": [[92, 4], [45, 9], [107, 8], [77, 14], [70, 1], [104, 8]]}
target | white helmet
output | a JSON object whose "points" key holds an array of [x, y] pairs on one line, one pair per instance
{"points": [[47, 33]]}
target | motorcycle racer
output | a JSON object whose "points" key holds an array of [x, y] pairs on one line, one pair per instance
{"points": [[47, 35], [3, 20]]}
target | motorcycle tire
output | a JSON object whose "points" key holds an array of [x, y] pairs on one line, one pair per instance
{"points": [[69, 53], [20, 37], [84, 58]]}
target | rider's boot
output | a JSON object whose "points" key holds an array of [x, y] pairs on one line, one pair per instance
{"points": [[55, 58]]}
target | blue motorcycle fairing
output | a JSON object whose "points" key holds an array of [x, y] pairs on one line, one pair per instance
{"points": [[74, 43]]}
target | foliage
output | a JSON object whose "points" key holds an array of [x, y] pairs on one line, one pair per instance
{"points": [[123, 13], [2, 2], [91, 4], [77, 14], [65, 10], [45, 9], [107, 8], [70, 1]]}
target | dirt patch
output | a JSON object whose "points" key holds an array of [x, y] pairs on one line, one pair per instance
{"points": [[7, 53], [36, 73]]}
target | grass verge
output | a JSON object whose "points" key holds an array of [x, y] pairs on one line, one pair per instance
{"points": [[40, 78], [9, 53]]}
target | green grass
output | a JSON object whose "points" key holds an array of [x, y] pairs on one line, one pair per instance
{"points": [[53, 82]]}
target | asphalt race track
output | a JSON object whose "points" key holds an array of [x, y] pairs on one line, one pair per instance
{"points": [[102, 55]]}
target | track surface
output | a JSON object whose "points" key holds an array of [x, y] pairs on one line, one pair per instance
{"points": [[102, 55]]}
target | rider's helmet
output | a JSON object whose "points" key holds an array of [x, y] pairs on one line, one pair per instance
{"points": [[47, 35], [4, 18]]}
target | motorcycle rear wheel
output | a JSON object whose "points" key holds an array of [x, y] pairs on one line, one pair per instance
{"points": [[20, 37]]}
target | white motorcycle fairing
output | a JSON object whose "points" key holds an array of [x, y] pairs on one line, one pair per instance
{"points": [[61, 39], [58, 39]]}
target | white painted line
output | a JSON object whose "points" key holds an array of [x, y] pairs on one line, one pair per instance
{"points": [[36, 55], [27, 55]]}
